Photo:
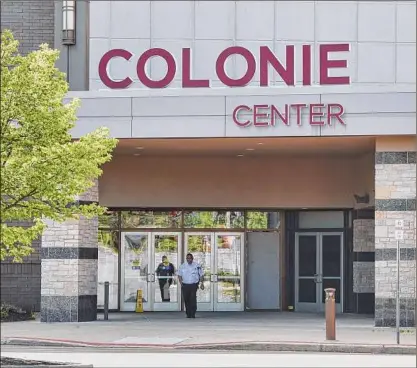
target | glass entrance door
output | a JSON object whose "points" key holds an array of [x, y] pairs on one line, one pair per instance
{"points": [[201, 246], [318, 265], [141, 254], [221, 257], [228, 280], [166, 255]]}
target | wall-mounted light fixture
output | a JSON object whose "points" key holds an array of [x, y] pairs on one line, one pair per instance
{"points": [[68, 22]]}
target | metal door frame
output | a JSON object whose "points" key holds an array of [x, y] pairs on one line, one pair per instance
{"points": [[165, 307], [339, 306], [130, 307], [214, 305], [204, 307], [318, 277], [232, 307], [150, 277], [302, 306]]}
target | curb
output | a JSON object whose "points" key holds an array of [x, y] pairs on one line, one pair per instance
{"points": [[334, 347], [48, 366], [346, 348]]}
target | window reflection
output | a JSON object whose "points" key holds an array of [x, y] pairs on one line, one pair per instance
{"points": [[150, 219], [228, 268], [108, 220], [213, 219], [108, 267], [263, 220]]}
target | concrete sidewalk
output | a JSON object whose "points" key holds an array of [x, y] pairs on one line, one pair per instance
{"points": [[244, 331]]}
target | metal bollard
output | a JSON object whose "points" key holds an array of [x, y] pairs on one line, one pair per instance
{"points": [[330, 314], [106, 300]]}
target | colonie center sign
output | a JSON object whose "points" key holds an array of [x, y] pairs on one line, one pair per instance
{"points": [[257, 115]]}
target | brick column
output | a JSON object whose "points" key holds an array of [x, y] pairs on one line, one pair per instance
{"points": [[363, 264], [395, 198], [69, 268]]}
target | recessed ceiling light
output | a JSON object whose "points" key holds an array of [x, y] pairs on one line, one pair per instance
{"points": [[250, 149], [260, 143], [140, 148], [239, 155], [136, 154]]}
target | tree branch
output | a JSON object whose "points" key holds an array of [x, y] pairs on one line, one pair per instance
{"points": [[22, 198]]}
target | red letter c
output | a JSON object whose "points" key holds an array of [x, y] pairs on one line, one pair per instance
{"points": [[102, 69], [236, 111]]}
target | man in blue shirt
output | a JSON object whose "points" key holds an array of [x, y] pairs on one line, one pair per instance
{"points": [[190, 274]]}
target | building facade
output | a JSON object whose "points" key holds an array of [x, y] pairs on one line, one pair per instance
{"points": [[274, 140]]}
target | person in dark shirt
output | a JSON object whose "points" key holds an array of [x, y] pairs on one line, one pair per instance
{"points": [[165, 273]]}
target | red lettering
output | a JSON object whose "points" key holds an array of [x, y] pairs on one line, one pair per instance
{"points": [[298, 108], [337, 114], [236, 111], [257, 114], [275, 112], [141, 68], [326, 64], [103, 72], [306, 65], [220, 66], [313, 114], [187, 82], [267, 57]]}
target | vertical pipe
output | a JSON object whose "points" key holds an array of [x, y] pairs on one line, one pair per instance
{"points": [[106, 300], [398, 295]]}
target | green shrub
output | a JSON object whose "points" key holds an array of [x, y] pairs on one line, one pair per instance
{"points": [[7, 310]]}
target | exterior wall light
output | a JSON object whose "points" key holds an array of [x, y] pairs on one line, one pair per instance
{"points": [[68, 22]]}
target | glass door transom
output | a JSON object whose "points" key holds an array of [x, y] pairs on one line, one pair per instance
{"points": [[221, 257]]}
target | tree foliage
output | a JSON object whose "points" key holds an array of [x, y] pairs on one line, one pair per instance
{"points": [[42, 168]]}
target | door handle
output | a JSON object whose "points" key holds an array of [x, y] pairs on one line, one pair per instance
{"points": [[318, 279]]}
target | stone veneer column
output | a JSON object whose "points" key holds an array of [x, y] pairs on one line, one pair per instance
{"points": [[364, 264], [395, 199], [69, 268]]}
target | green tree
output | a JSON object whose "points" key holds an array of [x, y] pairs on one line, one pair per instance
{"points": [[42, 168]]}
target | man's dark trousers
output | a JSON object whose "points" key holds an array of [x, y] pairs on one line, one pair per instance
{"points": [[189, 292]]}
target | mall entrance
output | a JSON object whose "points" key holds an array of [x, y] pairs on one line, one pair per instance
{"points": [[221, 254]]}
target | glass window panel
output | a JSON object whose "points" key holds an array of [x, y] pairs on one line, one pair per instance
{"points": [[228, 290], [307, 255], [108, 267], [166, 281], [228, 268], [109, 220], [150, 219], [306, 291], [321, 220], [331, 250], [213, 219], [136, 266], [331, 283], [261, 220], [200, 247]]}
